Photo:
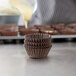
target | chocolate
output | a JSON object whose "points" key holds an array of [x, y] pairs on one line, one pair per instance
{"points": [[29, 30], [21, 30], [68, 31], [32, 27], [9, 30], [58, 26], [47, 29], [39, 26], [71, 25], [8, 33], [37, 45], [51, 32], [8, 26], [53, 29], [42, 26]]}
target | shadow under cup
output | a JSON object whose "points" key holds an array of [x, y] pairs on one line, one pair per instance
{"points": [[37, 45]]}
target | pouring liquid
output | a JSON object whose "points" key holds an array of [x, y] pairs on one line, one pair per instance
{"points": [[25, 9]]}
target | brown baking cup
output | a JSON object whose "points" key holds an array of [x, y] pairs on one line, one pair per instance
{"points": [[37, 45], [38, 53]]}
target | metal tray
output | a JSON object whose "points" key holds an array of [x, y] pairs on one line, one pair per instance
{"points": [[53, 37]]}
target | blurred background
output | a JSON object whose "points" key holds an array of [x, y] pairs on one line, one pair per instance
{"points": [[17, 13]]}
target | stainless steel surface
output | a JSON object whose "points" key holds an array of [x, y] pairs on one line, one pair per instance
{"points": [[9, 19], [60, 62], [53, 37]]}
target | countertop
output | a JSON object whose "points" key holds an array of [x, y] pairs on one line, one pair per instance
{"points": [[61, 61]]}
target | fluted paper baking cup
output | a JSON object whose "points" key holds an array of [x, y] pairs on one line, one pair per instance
{"points": [[37, 45]]}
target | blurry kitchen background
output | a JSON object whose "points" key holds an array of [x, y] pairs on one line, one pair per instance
{"points": [[16, 18], [10, 15], [6, 10]]}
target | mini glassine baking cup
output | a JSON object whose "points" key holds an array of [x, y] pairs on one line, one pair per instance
{"points": [[37, 45]]}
